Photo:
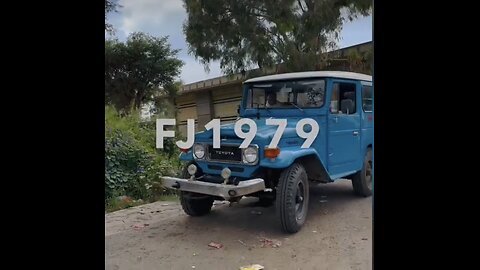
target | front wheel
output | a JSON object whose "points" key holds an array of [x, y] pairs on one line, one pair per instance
{"points": [[194, 204], [292, 198], [362, 181]]}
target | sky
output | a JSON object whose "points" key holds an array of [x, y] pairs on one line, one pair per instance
{"points": [[165, 18]]}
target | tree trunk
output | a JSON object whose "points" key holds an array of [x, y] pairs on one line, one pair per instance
{"points": [[138, 100]]}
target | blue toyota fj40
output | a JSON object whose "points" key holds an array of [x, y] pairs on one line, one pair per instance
{"points": [[341, 104]]}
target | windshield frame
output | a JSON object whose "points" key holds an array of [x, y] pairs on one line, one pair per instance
{"points": [[247, 86]]}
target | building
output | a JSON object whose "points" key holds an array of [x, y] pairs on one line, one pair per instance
{"points": [[220, 97]]}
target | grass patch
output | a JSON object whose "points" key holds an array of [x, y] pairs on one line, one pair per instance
{"points": [[115, 204]]}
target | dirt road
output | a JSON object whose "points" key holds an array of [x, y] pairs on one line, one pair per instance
{"points": [[337, 235]]}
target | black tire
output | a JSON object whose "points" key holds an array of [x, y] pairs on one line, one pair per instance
{"points": [[194, 204], [362, 180], [292, 198]]}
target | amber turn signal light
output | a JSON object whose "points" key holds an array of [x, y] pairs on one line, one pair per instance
{"points": [[272, 152]]}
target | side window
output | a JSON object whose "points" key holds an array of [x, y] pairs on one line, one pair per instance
{"points": [[367, 98], [343, 99]]}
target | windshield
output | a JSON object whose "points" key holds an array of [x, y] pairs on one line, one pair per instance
{"points": [[304, 93]]}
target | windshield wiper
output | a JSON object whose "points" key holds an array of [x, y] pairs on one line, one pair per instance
{"points": [[296, 106]]}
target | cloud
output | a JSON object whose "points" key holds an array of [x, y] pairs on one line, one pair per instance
{"points": [[193, 71], [163, 18], [140, 14], [357, 31]]}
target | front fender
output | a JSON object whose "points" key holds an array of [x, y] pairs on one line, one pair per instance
{"points": [[287, 156]]}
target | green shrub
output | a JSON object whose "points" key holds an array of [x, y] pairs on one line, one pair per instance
{"points": [[126, 166], [132, 162]]}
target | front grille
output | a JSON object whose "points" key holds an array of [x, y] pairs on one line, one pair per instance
{"points": [[225, 153]]}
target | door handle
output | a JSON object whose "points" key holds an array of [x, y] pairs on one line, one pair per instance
{"points": [[335, 119], [355, 133]]}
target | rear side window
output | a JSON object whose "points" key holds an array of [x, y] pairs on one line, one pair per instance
{"points": [[367, 98]]}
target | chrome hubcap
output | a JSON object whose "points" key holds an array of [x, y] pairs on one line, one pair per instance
{"points": [[300, 200]]}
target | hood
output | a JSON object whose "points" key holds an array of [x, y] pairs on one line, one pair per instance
{"points": [[264, 132]]}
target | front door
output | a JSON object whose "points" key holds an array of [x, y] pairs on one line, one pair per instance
{"points": [[343, 129]]}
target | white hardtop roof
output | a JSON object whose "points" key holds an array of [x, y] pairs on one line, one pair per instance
{"points": [[313, 74]]}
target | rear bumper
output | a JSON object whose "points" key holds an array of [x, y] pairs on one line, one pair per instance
{"points": [[221, 190]]}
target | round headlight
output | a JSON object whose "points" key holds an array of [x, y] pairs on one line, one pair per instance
{"points": [[199, 151], [250, 154]]}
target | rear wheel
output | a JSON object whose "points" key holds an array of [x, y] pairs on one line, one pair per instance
{"points": [[362, 181], [292, 198]]}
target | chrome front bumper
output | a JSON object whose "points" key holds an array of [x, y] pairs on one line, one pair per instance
{"points": [[221, 190]]}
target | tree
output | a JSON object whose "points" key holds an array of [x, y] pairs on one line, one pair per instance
{"points": [[135, 71], [242, 34], [110, 6], [360, 61], [163, 104]]}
